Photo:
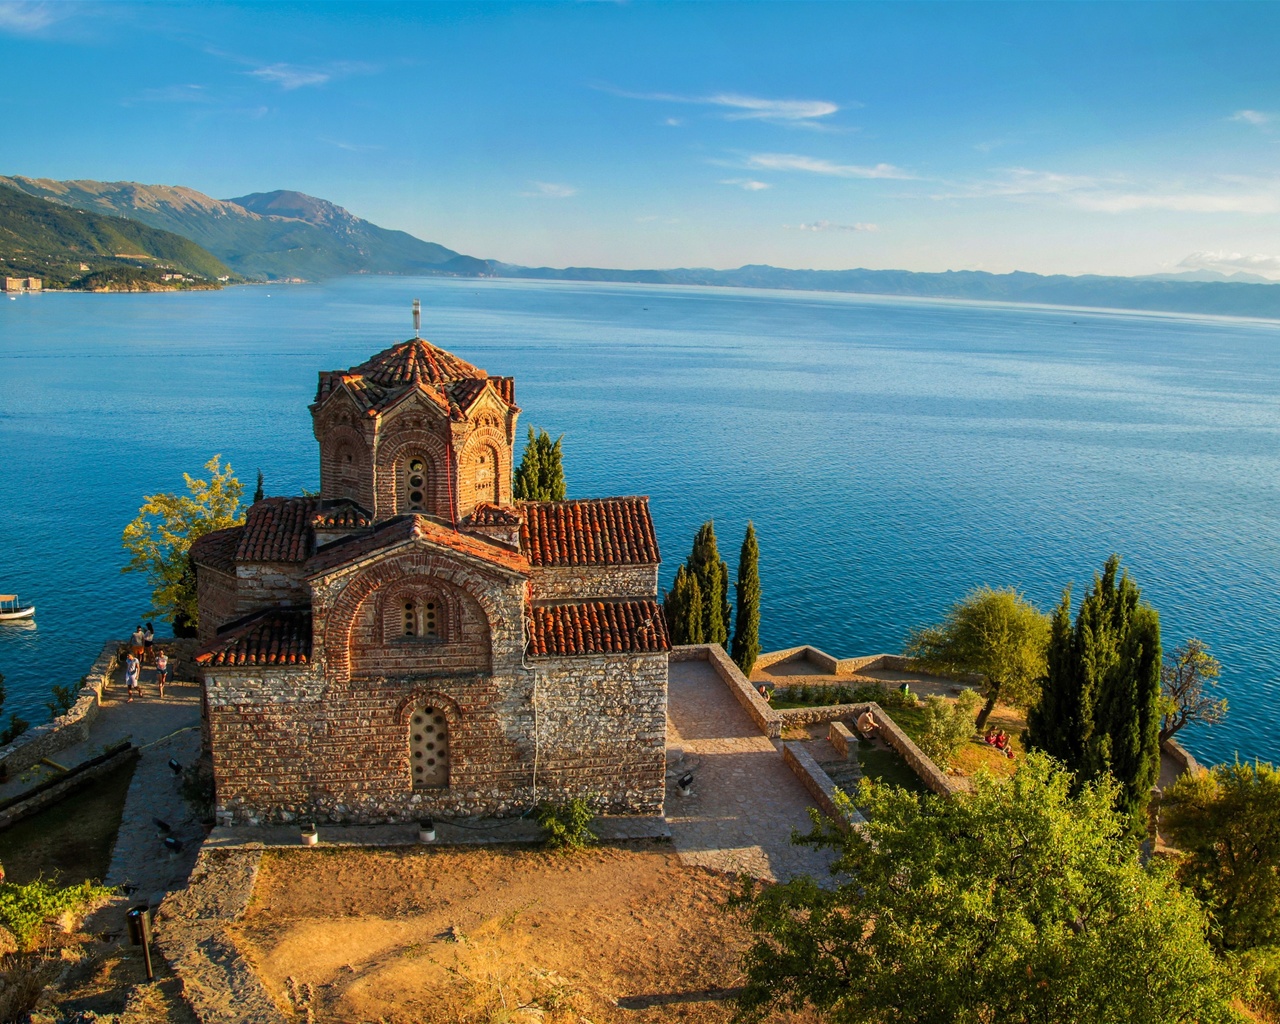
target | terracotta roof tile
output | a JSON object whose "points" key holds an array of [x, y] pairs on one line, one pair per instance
{"points": [[600, 531], [281, 636], [341, 515], [485, 514], [598, 627], [404, 528], [416, 361], [277, 530], [217, 550]]}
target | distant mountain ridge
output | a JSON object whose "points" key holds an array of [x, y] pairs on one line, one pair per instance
{"points": [[286, 234], [266, 235], [77, 248]]}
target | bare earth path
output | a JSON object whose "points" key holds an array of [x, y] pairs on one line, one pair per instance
{"points": [[745, 799]]}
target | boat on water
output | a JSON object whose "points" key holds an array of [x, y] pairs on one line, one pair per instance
{"points": [[13, 610]]}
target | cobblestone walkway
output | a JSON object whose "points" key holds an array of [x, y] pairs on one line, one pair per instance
{"points": [[745, 799]]}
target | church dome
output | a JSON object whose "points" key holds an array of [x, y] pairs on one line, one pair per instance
{"points": [[416, 361]]}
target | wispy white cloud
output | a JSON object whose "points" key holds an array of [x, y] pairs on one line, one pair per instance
{"points": [[815, 165], [1233, 262], [827, 225], [673, 122], [749, 184], [171, 94], [298, 76], [27, 17], [549, 190], [352, 147], [734, 106], [1254, 117]]}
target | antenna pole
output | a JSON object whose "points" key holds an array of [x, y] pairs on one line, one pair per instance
{"points": [[417, 318]]}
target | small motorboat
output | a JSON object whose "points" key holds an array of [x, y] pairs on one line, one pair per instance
{"points": [[12, 610]]}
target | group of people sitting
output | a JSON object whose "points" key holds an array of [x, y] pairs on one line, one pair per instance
{"points": [[999, 739]]}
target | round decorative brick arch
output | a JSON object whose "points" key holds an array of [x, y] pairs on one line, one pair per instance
{"points": [[391, 571], [392, 450], [453, 724]]}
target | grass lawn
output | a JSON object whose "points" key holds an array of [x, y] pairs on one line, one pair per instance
{"points": [[974, 755], [888, 767]]}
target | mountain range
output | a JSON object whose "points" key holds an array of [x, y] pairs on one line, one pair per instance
{"points": [[285, 235]]}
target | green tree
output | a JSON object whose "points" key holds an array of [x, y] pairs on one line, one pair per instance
{"points": [[948, 726], [540, 476], [1226, 824], [1185, 681], [997, 634], [159, 539], [1018, 903], [746, 624], [1100, 700], [64, 699], [712, 575], [16, 727], [258, 493], [682, 608]]}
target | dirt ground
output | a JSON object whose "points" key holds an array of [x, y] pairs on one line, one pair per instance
{"points": [[495, 935]]}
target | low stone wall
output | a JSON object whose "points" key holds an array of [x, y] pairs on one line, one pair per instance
{"points": [[766, 718], [930, 774], [841, 737], [1180, 755], [45, 740], [797, 717], [819, 785], [58, 788]]}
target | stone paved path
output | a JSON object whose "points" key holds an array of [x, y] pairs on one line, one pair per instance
{"points": [[745, 799]]}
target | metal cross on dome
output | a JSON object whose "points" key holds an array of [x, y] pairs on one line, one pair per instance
{"points": [[417, 318]]}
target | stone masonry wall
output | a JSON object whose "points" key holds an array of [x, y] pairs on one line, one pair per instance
{"points": [[267, 584], [216, 599], [584, 582]]}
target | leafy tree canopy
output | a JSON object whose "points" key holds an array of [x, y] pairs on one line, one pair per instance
{"points": [[1185, 683], [159, 539], [997, 634], [540, 476], [1226, 824], [1019, 903]]}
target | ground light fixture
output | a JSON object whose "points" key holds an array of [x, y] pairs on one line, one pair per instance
{"points": [[684, 784], [310, 835], [426, 831], [175, 766], [140, 935]]}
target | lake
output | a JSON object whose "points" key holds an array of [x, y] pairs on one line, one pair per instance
{"points": [[892, 453]]}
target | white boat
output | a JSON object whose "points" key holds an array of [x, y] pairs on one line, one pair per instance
{"points": [[11, 609]]}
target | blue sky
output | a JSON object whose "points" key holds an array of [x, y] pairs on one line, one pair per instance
{"points": [[1055, 138]]}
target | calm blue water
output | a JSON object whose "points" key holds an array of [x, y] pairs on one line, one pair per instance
{"points": [[893, 454]]}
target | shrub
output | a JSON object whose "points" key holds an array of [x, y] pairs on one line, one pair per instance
{"points": [[25, 908], [885, 696], [198, 788], [948, 726], [64, 699], [568, 826]]}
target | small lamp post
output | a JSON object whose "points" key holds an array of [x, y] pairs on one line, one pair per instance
{"points": [[140, 935]]}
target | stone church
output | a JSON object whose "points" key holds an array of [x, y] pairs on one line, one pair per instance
{"points": [[412, 641]]}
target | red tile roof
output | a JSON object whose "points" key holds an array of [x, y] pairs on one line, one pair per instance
{"points": [[416, 361], [485, 514], [280, 636], [341, 515], [217, 550], [277, 530], [598, 627], [600, 531], [404, 528]]}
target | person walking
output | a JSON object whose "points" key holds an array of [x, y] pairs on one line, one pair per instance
{"points": [[132, 667], [148, 640], [162, 669], [137, 642]]}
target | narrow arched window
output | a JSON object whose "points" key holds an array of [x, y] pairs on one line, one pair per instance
{"points": [[415, 485], [429, 748]]}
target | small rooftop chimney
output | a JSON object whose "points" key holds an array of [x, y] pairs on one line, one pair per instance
{"points": [[417, 318]]}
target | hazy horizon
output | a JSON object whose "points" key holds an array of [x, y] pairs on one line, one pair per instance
{"points": [[1070, 138]]}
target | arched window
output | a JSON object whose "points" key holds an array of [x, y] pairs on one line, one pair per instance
{"points": [[414, 488], [429, 748], [421, 618], [346, 472], [486, 475]]}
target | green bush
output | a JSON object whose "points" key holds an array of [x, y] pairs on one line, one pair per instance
{"points": [[568, 826], [24, 908], [948, 727]]}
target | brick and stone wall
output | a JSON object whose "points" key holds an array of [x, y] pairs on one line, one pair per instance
{"points": [[216, 599], [268, 584], [584, 582]]}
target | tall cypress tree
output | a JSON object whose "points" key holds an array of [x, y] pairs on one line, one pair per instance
{"points": [[528, 479], [1099, 709], [540, 476], [682, 608], [693, 609], [712, 574], [257, 491], [746, 624]]}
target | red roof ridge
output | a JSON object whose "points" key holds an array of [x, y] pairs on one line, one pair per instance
{"points": [[413, 527]]}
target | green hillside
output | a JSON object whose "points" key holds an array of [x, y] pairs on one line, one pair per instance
{"points": [[266, 235], [75, 248]]}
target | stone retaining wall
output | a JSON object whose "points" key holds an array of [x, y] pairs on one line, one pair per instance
{"points": [[45, 740], [841, 737], [819, 785], [797, 717], [1181, 756], [766, 718], [930, 774], [65, 786]]}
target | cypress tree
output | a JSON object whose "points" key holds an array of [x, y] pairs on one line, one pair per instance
{"points": [[525, 487], [746, 624], [672, 608], [712, 575], [552, 468], [1100, 703], [682, 608], [257, 491], [693, 608], [540, 476]]}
